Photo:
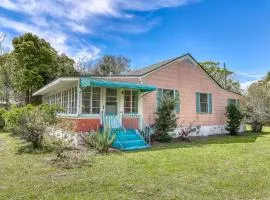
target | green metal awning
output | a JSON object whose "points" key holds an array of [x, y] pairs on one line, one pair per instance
{"points": [[91, 82]]}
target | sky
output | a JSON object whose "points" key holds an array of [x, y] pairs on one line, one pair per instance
{"points": [[236, 32]]}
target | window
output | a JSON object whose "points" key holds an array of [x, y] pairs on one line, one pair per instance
{"points": [[67, 100], [233, 101], [111, 101], [131, 101], [203, 102], [173, 93], [91, 100]]}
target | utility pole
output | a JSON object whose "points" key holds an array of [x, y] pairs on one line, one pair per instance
{"points": [[225, 75]]}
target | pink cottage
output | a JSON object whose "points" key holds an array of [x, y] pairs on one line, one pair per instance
{"points": [[128, 102]]}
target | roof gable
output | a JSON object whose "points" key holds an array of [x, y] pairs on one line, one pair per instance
{"points": [[186, 57]]}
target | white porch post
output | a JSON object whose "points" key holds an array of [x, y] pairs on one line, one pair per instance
{"points": [[79, 97], [140, 109], [120, 94], [102, 104]]}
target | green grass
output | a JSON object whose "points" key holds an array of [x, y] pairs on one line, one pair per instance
{"points": [[223, 167]]}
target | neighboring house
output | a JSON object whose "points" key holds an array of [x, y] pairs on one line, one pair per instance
{"points": [[130, 101]]}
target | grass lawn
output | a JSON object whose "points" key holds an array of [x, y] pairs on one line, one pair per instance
{"points": [[223, 167]]}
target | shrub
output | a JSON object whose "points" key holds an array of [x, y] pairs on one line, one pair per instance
{"points": [[30, 122], [165, 120], [50, 112], [32, 127], [258, 104], [101, 141], [14, 117], [235, 117], [2, 121], [161, 137]]}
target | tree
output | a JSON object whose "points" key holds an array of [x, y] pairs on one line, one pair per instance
{"points": [[219, 74], [6, 63], [258, 104], [267, 77], [165, 120], [65, 66], [235, 117], [85, 66], [37, 64], [109, 64], [5, 73]]}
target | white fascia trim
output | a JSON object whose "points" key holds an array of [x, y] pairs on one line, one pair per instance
{"points": [[114, 77], [55, 82], [179, 59], [195, 63]]}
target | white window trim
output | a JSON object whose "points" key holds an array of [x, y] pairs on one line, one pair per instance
{"points": [[91, 102], [131, 101]]}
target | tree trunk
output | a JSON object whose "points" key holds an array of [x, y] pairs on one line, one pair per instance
{"points": [[256, 127], [7, 96], [27, 99]]}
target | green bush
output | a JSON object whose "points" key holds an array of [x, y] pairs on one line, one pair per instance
{"points": [[2, 121], [30, 122], [101, 141], [14, 118], [161, 137], [235, 117], [50, 112], [165, 120]]}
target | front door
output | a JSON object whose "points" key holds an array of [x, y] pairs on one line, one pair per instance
{"points": [[111, 101], [111, 117]]}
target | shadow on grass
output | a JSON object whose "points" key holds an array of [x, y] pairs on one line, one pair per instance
{"points": [[27, 148], [197, 142]]}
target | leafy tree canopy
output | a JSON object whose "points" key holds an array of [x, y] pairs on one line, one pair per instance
{"points": [[218, 73], [37, 64], [110, 64], [258, 103]]}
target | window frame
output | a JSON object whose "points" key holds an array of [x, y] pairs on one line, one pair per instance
{"points": [[131, 102], [65, 99], [174, 96], [91, 102], [206, 103]]}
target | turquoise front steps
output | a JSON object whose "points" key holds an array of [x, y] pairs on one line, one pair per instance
{"points": [[129, 140]]}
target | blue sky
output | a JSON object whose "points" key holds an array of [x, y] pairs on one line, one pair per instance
{"points": [[233, 31]]}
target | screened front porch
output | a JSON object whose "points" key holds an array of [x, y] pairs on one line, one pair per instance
{"points": [[117, 103]]}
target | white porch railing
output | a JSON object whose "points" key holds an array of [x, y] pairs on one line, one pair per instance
{"points": [[135, 121], [123, 122]]}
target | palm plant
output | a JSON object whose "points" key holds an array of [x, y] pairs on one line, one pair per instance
{"points": [[101, 141]]}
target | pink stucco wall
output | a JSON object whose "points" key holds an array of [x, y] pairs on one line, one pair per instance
{"points": [[188, 78]]}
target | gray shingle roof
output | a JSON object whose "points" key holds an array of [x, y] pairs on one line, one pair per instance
{"points": [[145, 70]]}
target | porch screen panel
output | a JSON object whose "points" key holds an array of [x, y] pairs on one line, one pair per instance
{"points": [[131, 101], [111, 101], [127, 101], [86, 100], [134, 100], [91, 100], [95, 100]]}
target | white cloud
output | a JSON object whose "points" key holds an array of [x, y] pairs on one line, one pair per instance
{"points": [[77, 27], [56, 38], [60, 21], [244, 85], [87, 53], [143, 5]]}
